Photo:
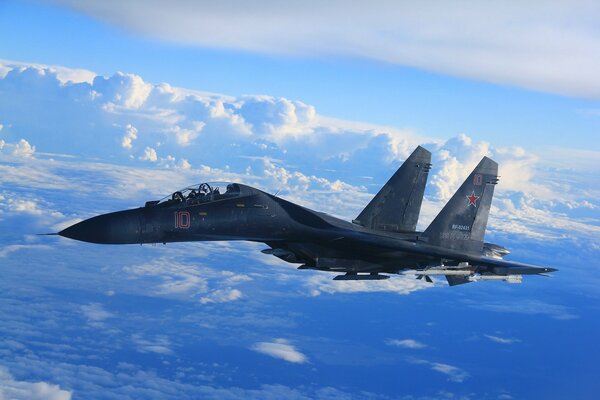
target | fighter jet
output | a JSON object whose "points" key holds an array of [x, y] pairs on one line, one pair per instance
{"points": [[381, 241]]}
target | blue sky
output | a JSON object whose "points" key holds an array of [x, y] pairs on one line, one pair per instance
{"points": [[104, 105], [346, 87]]}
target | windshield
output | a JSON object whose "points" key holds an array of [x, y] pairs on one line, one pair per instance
{"points": [[203, 193]]}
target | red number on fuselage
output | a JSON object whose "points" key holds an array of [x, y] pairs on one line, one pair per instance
{"points": [[182, 219]]}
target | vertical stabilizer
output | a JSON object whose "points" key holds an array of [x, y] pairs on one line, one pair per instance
{"points": [[397, 205], [461, 223]]}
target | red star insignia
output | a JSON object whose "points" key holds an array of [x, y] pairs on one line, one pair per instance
{"points": [[472, 199]]}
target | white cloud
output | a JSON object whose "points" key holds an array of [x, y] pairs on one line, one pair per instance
{"points": [[179, 279], [174, 119], [95, 312], [149, 155], [184, 136], [406, 343], [23, 149], [24, 206], [280, 348], [22, 390], [454, 160], [247, 138], [159, 344], [184, 164], [130, 135], [538, 45], [221, 296], [16, 204], [501, 340], [454, 374], [323, 283], [5, 250], [64, 75], [176, 278], [122, 91]]}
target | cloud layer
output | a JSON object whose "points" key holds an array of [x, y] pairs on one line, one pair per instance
{"points": [[280, 348], [545, 45], [190, 320], [10, 388], [274, 143]]}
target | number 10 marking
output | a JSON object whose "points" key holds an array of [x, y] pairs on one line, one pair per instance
{"points": [[182, 219]]}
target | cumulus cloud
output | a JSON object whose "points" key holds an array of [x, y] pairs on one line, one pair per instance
{"points": [[406, 343], [17, 204], [275, 143], [206, 129], [454, 159], [184, 164], [23, 149], [278, 119], [24, 206], [129, 137], [185, 136], [64, 74], [282, 349], [10, 388], [536, 45], [127, 91], [20, 149], [149, 155]]}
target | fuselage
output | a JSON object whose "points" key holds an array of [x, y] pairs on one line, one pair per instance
{"points": [[239, 212]]}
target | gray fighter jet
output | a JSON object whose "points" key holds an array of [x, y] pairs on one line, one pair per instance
{"points": [[382, 240]]}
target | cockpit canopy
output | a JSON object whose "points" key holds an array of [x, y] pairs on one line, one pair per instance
{"points": [[201, 193]]}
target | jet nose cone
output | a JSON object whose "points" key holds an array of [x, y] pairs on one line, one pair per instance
{"points": [[551, 270], [122, 227]]}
